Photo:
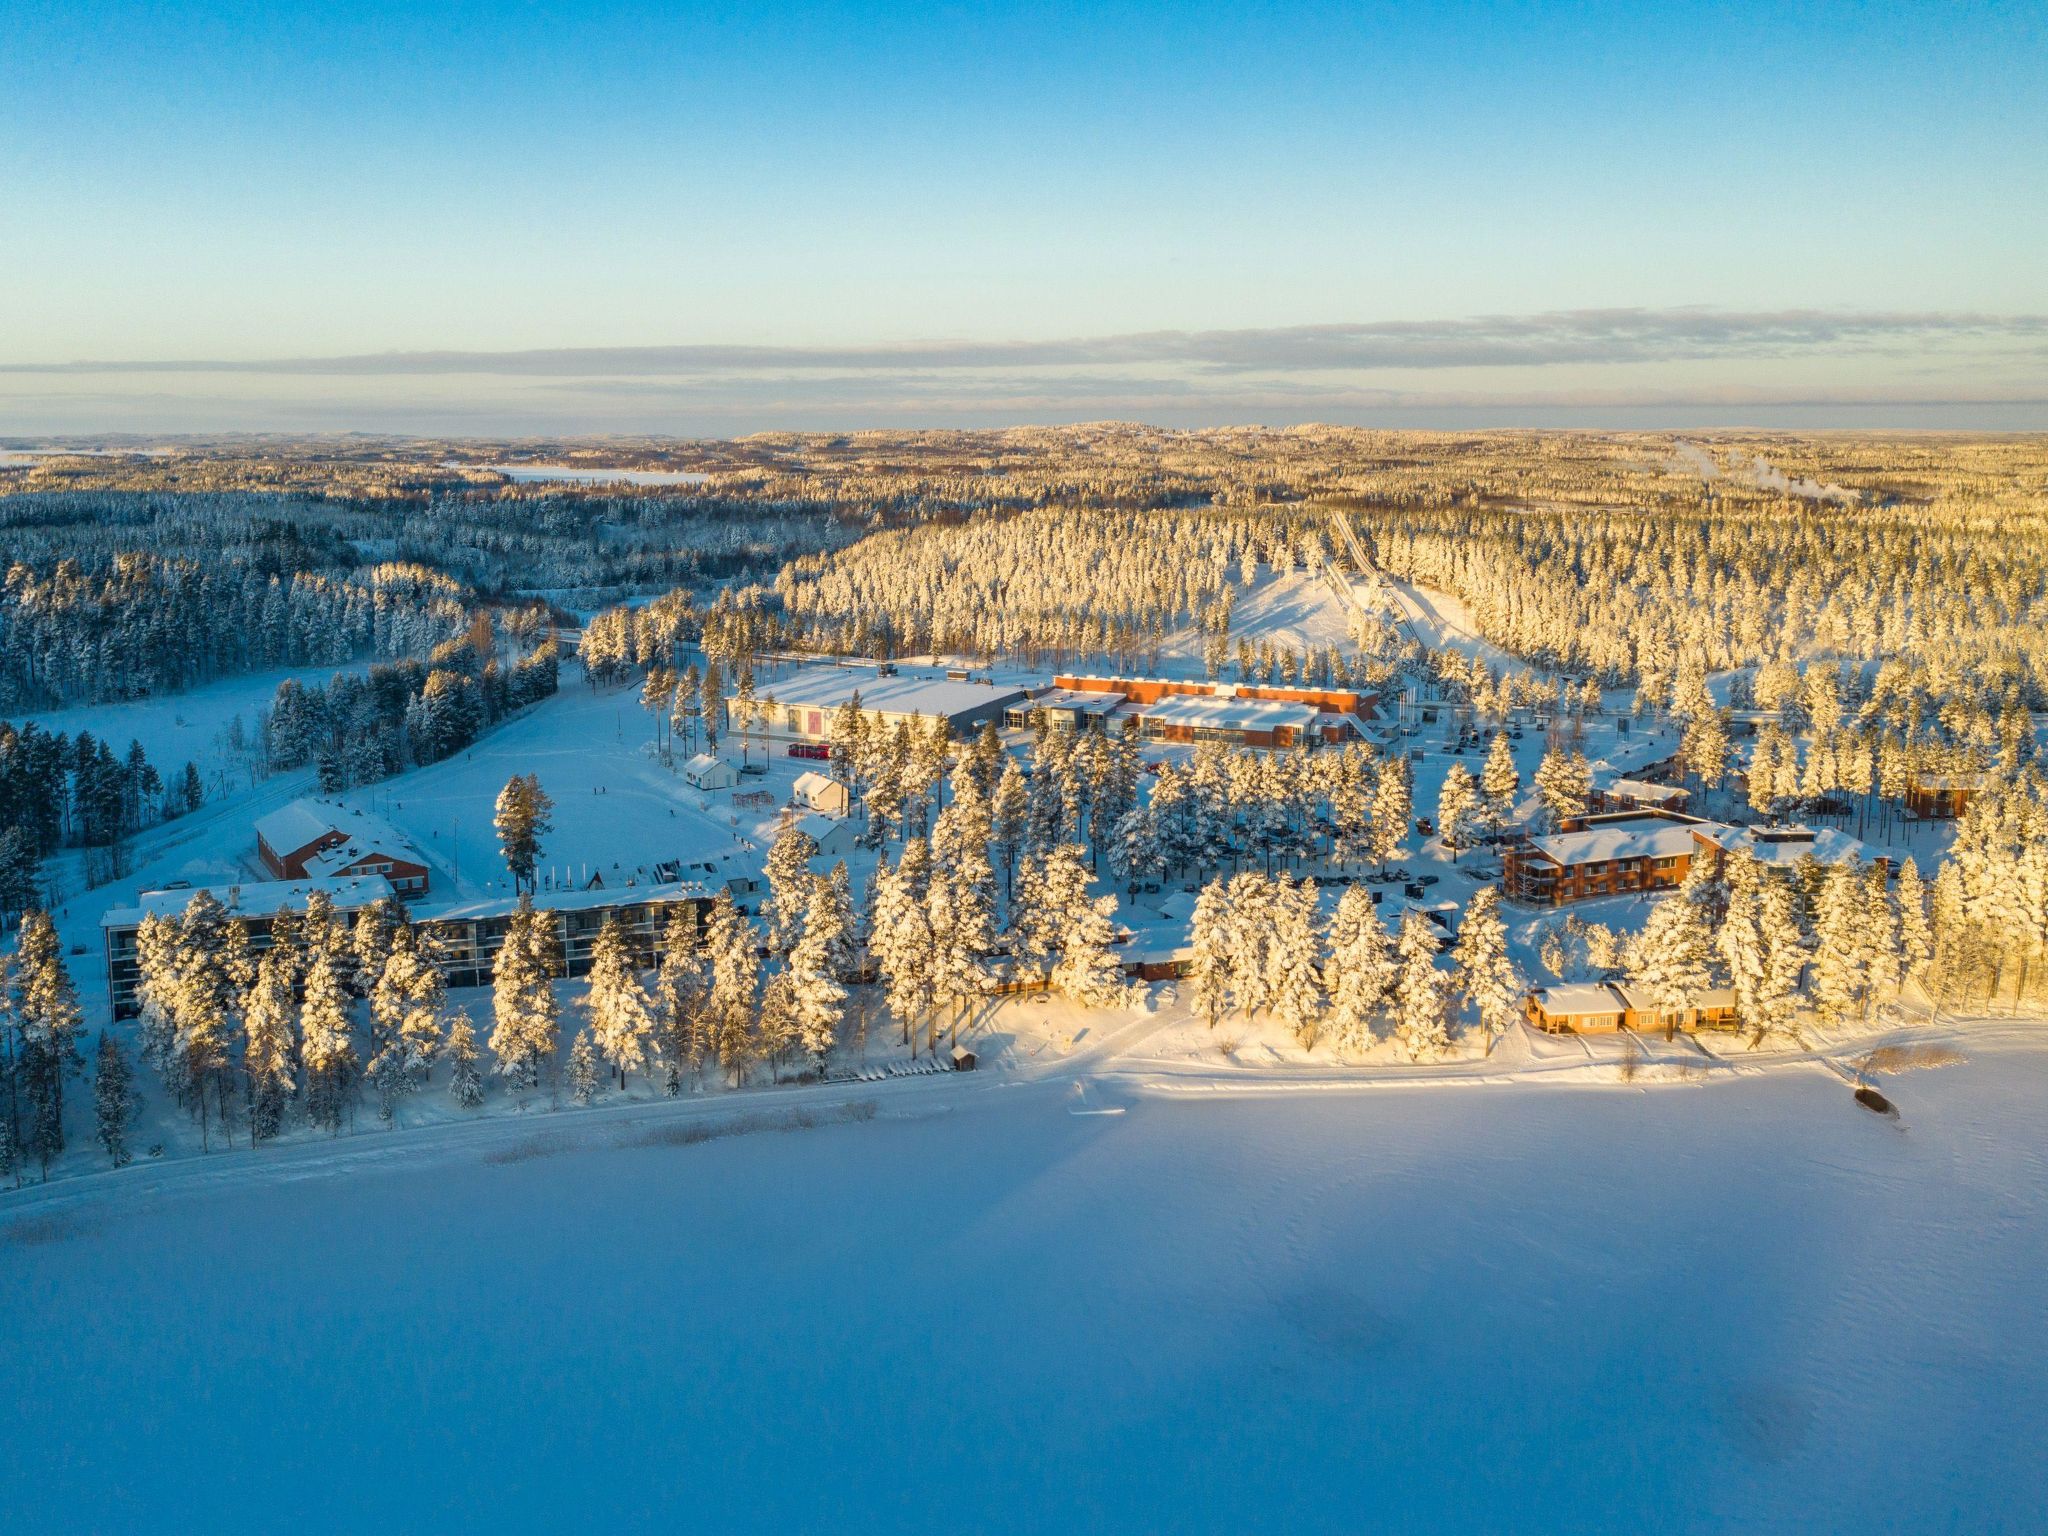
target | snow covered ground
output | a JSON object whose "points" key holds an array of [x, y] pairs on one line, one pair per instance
{"points": [[1443, 623], [1296, 611], [191, 727], [618, 809], [961, 1305]]}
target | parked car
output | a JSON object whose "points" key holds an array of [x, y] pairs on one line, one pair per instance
{"points": [[1426, 879]]}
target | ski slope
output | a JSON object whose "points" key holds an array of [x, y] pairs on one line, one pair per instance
{"points": [[958, 1304]]}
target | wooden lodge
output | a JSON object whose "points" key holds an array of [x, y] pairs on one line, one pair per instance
{"points": [[1596, 1008], [1941, 796]]}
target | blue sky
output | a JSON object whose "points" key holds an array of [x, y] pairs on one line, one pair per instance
{"points": [[244, 184]]}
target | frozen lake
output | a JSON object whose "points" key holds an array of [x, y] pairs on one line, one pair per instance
{"points": [[1746, 1307], [538, 472]]}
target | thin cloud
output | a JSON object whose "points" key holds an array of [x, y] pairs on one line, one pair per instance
{"points": [[1587, 336]]}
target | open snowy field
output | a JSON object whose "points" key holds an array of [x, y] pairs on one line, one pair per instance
{"points": [[618, 809], [961, 1306], [189, 727]]}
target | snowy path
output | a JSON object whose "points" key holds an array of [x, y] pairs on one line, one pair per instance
{"points": [[1108, 1058], [437, 1140]]}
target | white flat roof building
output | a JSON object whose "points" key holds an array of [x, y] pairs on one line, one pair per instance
{"points": [[801, 705], [254, 898], [1240, 721], [1068, 708], [255, 903]]}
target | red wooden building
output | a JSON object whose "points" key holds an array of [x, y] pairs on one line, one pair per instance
{"points": [[313, 839]]}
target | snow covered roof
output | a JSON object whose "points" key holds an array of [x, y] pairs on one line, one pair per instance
{"points": [[1624, 757], [1712, 997], [1579, 999], [368, 835], [1786, 846], [1085, 701], [703, 762], [903, 694], [1646, 792], [291, 827], [258, 898], [818, 827], [811, 784], [1194, 709], [1636, 837], [1154, 931], [563, 901], [1964, 780]]}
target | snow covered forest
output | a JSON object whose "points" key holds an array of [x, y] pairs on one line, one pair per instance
{"points": [[636, 740], [1818, 628]]}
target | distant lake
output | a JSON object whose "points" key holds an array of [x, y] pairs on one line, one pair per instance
{"points": [[529, 472]]}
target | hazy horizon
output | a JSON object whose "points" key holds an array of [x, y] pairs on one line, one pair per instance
{"points": [[442, 219]]}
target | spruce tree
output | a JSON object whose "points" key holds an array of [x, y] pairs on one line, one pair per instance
{"points": [[1565, 781], [524, 816], [327, 1047], [465, 1081], [1499, 779], [1485, 977], [679, 1001], [269, 1054], [1293, 982], [405, 1009], [583, 1068], [733, 946], [1457, 809], [788, 873], [1916, 935], [1391, 805], [524, 1036], [775, 1024], [817, 998], [902, 940], [1422, 992], [1784, 961], [370, 946], [49, 1013], [1360, 970], [1671, 960], [1212, 942], [114, 1102], [620, 1013]]}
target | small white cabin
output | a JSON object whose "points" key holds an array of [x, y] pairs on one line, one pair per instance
{"points": [[822, 793], [709, 771], [834, 837]]}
